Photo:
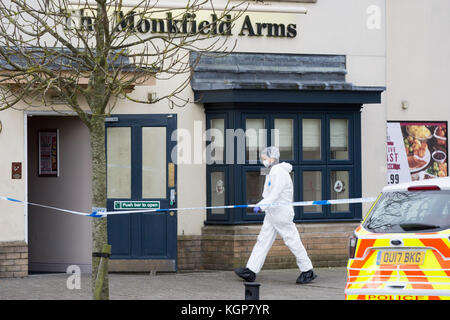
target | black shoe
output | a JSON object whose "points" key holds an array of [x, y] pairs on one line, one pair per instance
{"points": [[306, 277], [246, 274]]}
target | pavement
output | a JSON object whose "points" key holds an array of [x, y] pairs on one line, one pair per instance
{"points": [[204, 285]]}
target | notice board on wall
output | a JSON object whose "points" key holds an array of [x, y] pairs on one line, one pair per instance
{"points": [[416, 150], [48, 153]]}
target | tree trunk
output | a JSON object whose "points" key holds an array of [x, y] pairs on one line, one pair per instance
{"points": [[99, 225]]}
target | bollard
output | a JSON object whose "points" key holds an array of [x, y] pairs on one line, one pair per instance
{"points": [[251, 290]]}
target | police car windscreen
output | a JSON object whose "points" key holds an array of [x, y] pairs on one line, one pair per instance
{"points": [[410, 211]]}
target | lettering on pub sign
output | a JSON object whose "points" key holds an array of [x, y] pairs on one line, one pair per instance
{"points": [[188, 24]]}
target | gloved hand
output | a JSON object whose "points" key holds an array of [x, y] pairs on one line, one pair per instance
{"points": [[256, 209]]}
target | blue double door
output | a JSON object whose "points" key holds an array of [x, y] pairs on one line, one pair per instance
{"points": [[141, 174]]}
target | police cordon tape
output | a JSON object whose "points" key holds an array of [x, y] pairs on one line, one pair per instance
{"points": [[98, 213]]}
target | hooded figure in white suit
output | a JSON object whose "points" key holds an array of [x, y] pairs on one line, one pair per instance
{"points": [[278, 188]]}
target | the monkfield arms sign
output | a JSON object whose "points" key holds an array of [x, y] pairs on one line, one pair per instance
{"points": [[189, 24]]}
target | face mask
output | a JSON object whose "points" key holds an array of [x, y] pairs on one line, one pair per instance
{"points": [[266, 163]]}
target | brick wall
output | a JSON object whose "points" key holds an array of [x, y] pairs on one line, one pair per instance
{"points": [[189, 253], [13, 259], [228, 247], [225, 248]]}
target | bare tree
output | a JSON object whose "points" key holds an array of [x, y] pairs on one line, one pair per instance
{"points": [[91, 53]]}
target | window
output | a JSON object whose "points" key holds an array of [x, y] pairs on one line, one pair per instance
{"points": [[406, 211], [312, 190], [118, 153], [218, 186], [339, 187], [312, 137], [154, 163], [254, 186], [284, 138], [339, 139], [322, 146], [217, 138], [255, 138], [218, 191]]}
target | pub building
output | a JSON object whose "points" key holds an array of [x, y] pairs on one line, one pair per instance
{"points": [[322, 86]]}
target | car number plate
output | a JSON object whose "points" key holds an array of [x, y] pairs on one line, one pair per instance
{"points": [[400, 257]]}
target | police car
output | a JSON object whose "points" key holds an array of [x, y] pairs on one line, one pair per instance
{"points": [[401, 250]]}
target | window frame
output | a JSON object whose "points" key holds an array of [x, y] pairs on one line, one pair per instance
{"points": [[213, 167], [235, 117]]}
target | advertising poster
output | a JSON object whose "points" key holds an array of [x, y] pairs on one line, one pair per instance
{"points": [[48, 153], [416, 151]]}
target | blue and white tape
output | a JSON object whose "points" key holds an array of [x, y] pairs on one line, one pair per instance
{"points": [[102, 213], [44, 206]]}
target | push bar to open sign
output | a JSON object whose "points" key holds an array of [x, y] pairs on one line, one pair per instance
{"points": [[136, 205]]}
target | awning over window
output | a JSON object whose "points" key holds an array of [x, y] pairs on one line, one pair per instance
{"points": [[276, 78]]}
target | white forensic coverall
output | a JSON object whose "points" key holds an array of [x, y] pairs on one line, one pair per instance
{"points": [[278, 188]]}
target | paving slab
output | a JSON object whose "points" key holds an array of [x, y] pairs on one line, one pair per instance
{"points": [[204, 285]]}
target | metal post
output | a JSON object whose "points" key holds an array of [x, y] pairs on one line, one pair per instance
{"points": [[251, 290], [102, 272]]}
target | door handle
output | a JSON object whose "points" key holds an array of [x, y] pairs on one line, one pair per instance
{"points": [[172, 197]]}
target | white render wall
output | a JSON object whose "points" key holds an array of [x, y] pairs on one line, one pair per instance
{"points": [[330, 27], [418, 61], [12, 220]]}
